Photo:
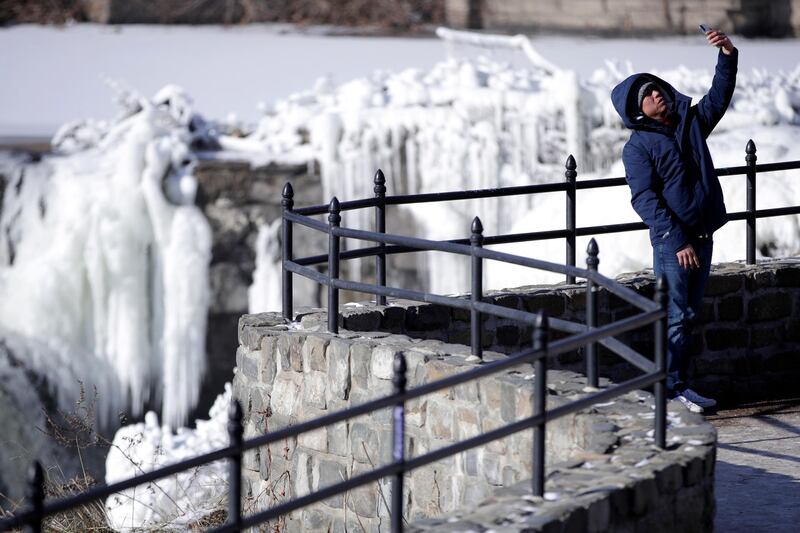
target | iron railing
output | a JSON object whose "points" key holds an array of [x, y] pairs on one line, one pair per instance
{"points": [[580, 335]]}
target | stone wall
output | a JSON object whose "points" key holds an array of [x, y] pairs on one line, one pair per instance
{"points": [[603, 470], [777, 18], [746, 345]]}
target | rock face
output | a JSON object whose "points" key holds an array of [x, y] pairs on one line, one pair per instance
{"points": [[237, 199], [26, 435]]}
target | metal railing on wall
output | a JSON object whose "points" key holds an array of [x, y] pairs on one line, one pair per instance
{"points": [[586, 335]]}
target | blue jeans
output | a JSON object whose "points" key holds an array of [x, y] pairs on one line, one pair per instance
{"points": [[685, 286]]}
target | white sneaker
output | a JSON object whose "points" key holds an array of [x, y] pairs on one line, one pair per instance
{"points": [[689, 404], [702, 401]]}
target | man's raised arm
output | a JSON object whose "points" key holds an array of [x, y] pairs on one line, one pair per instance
{"points": [[712, 106]]}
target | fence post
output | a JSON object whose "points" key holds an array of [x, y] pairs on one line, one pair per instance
{"points": [[334, 218], [36, 497], [750, 159], [380, 227], [591, 313], [540, 333], [398, 441], [660, 359], [286, 235], [235, 431], [476, 330], [571, 174]]}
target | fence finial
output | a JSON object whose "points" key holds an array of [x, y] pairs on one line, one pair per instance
{"points": [[593, 251], [288, 196], [477, 232], [333, 212], [380, 183], [571, 165], [750, 149]]}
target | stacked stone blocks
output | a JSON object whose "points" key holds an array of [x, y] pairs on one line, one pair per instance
{"points": [[285, 376]]}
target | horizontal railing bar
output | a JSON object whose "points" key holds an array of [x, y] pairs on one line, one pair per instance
{"points": [[609, 330], [310, 273], [625, 387], [761, 167], [519, 190], [306, 221], [524, 237], [775, 167], [536, 188], [626, 293], [505, 312], [589, 231], [343, 206], [616, 346], [600, 183], [414, 242], [732, 171], [397, 249], [530, 262], [405, 294], [765, 213], [629, 354]]}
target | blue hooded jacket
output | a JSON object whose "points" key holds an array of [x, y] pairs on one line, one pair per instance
{"points": [[674, 186]]}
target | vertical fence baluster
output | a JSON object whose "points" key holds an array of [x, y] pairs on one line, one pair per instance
{"points": [[750, 159], [286, 235], [334, 218], [380, 227], [35, 494], [398, 441], [571, 174], [476, 333], [235, 432], [660, 359], [591, 313], [540, 333]]}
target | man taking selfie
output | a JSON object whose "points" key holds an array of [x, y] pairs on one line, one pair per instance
{"points": [[675, 190]]}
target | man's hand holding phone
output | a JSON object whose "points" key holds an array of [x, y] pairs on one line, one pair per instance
{"points": [[717, 38]]}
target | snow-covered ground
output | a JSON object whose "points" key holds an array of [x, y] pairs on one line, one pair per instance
{"points": [[80, 240]]}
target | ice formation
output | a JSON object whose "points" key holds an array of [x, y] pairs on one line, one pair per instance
{"points": [[265, 292], [176, 501], [102, 267]]}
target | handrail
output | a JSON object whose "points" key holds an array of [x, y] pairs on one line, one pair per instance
{"points": [[581, 335]]}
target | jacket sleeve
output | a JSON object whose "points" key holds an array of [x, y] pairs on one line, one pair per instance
{"points": [[712, 106], [647, 200]]}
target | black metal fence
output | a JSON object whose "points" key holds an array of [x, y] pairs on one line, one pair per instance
{"points": [[652, 313]]}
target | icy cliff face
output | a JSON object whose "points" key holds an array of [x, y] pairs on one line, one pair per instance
{"points": [[100, 264]]}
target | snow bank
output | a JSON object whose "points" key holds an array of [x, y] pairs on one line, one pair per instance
{"points": [[176, 501]]}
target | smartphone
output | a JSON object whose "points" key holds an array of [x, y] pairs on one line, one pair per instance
{"points": [[704, 28]]}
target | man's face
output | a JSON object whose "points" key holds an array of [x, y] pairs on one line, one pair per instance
{"points": [[653, 104]]}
